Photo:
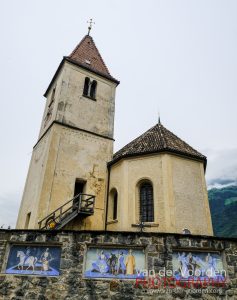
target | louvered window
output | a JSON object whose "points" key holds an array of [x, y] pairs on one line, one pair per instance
{"points": [[146, 202]]}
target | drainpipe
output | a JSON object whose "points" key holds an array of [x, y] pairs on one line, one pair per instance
{"points": [[107, 198]]}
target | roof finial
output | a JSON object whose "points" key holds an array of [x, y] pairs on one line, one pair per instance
{"points": [[158, 117], [90, 25]]}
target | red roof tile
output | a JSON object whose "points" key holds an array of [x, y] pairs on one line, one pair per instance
{"points": [[157, 139], [86, 54]]}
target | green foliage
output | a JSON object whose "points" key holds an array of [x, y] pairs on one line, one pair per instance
{"points": [[223, 205]]}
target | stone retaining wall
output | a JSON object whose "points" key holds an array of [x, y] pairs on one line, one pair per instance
{"points": [[70, 284]]}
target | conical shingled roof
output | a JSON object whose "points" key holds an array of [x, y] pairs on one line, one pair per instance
{"points": [[86, 54], [157, 139]]}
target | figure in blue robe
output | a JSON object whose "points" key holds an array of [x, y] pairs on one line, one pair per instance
{"points": [[121, 264], [100, 265]]}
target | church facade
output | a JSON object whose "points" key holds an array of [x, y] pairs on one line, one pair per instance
{"points": [[94, 224], [75, 181]]}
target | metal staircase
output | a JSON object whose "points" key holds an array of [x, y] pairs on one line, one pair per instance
{"points": [[81, 204]]}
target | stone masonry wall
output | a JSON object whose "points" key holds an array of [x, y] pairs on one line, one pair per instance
{"points": [[71, 285]]}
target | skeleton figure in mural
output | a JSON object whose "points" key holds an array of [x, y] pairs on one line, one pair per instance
{"points": [[26, 260], [130, 263], [200, 266], [191, 263], [113, 260], [45, 258]]}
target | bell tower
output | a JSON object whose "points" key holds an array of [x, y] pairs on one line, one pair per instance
{"points": [[75, 141]]}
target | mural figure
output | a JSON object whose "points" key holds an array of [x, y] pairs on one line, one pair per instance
{"points": [[100, 264], [27, 253], [113, 260], [191, 263], [26, 260], [200, 265], [183, 265], [121, 265], [130, 263], [46, 257], [211, 266]]}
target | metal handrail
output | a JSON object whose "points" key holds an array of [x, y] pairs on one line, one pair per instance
{"points": [[74, 207]]}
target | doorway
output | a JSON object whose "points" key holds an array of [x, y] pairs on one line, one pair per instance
{"points": [[79, 188]]}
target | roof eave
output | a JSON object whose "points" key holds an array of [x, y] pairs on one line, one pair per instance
{"points": [[54, 77], [109, 77], [190, 156], [66, 58]]}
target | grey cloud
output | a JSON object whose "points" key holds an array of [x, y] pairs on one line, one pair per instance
{"points": [[222, 181], [221, 167]]}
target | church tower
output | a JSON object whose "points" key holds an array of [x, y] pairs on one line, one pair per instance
{"points": [[75, 144]]}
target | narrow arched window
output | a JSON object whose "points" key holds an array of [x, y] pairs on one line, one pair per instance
{"points": [[86, 86], [113, 204], [93, 89], [146, 202]]}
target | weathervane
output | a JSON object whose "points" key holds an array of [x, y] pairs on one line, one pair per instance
{"points": [[90, 25]]}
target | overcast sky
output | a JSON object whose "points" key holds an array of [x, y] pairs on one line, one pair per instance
{"points": [[178, 57]]}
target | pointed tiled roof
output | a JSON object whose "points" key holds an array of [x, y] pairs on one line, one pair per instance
{"points": [[87, 55], [157, 139]]}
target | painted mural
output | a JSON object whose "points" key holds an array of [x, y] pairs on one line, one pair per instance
{"points": [[114, 263], [198, 265], [34, 260]]}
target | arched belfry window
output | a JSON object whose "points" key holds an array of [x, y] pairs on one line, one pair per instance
{"points": [[86, 86], [89, 89], [93, 89], [146, 202]]}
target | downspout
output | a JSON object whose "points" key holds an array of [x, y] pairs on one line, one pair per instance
{"points": [[107, 198]]}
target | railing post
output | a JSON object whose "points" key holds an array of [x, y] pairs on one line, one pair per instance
{"points": [[93, 203], [60, 214], [79, 203]]}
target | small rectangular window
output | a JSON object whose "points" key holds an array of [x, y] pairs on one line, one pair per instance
{"points": [[27, 220]]}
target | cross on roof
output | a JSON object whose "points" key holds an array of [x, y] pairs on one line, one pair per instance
{"points": [[141, 226], [90, 25]]}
